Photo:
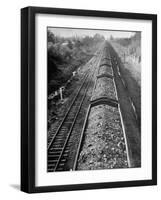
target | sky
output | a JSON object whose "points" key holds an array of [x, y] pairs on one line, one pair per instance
{"points": [[68, 32]]}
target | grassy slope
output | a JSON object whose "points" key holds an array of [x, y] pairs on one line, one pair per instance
{"points": [[131, 72], [130, 124]]}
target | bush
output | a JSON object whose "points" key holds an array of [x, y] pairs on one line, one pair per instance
{"points": [[65, 55]]}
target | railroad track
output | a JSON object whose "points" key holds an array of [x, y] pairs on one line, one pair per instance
{"points": [[56, 129], [60, 143]]}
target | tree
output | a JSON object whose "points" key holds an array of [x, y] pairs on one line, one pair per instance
{"points": [[70, 44], [51, 37]]}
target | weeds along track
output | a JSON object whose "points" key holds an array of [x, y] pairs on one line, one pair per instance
{"points": [[64, 140]]}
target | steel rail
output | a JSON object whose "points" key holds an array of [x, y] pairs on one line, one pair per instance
{"points": [[71, 128], [85, 121], [67, 112], [55, 163]]}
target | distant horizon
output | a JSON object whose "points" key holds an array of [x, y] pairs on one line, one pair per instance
{"points": [[71, 32]]}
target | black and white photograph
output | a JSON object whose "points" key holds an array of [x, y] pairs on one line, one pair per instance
{"points": [[88, 99], [93, 99]]}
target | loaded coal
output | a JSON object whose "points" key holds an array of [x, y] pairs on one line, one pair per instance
{"points": [[104, 144]]}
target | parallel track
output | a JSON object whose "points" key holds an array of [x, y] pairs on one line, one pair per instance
{"points": [[59, 145]]}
